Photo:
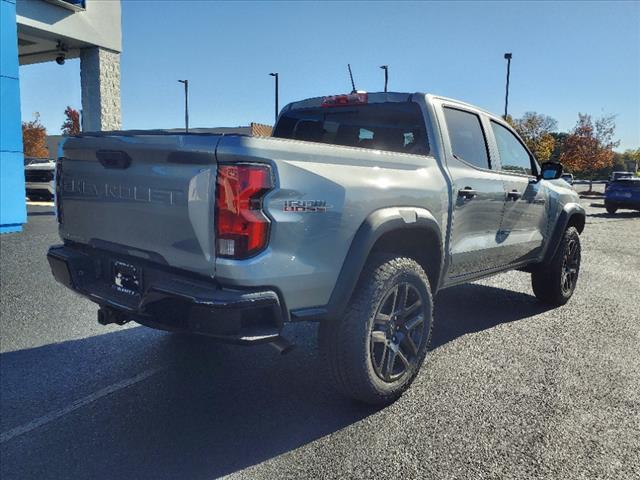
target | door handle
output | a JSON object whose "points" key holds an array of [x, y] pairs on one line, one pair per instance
{"points": [[513, 195], [467, 192]]}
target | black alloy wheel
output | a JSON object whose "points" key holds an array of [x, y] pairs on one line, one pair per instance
{"points": [[397, 332]]}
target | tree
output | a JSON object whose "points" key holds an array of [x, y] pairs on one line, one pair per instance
{"points": [[590, 145], [535, 129], [34, 138], [71, 125], [630, 159]]}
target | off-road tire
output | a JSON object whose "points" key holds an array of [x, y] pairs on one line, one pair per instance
{"points": [[347, 345], [549, 280]]}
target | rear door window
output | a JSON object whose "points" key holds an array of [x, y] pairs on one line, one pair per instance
{"points": [[467, 137], [396, 127]]}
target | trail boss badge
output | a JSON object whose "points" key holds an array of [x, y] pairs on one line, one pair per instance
{"points": [[305, 206]]}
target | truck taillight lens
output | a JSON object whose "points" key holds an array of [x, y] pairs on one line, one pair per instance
{"points": [[58, 192], [242, 228]]}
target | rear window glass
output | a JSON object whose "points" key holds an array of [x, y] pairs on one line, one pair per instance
{"points": [[467, 138], [396, 127]]}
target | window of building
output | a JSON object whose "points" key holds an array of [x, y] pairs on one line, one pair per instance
{"points": [[513, 156], [467, 138], [396, 127]]}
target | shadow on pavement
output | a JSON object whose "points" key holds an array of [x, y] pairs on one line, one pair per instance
{"points": [[619, 214], [472, 308], [211, 409]]}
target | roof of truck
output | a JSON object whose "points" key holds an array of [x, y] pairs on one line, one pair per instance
{"points": [[373, 97], [383, 97]]}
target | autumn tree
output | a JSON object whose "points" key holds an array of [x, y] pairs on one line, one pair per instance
{"points": [[536, 131], [71, 125], [589, 146], [630, 159], [34, 138]]}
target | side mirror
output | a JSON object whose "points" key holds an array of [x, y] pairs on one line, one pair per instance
{"points": [[551, 171]]}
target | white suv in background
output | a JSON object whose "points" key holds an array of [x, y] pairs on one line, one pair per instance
{"points": [[39, 178]]}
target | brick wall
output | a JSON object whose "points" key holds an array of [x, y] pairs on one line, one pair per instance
{"points": [[260, 130]]}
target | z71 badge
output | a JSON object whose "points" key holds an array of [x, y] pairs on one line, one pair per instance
{"points": [[305, 206]]}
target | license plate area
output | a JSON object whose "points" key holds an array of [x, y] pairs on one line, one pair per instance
{"points": [[126, 278]]}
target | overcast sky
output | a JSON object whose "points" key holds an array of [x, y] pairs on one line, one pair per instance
{"points": [[567, 58]]}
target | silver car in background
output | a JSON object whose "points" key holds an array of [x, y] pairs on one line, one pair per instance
{"points": [[39, 178]]}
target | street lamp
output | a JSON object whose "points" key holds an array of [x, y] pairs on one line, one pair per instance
{"points": [[186, 104], [276, 77], [386, 76], [507, 57]]}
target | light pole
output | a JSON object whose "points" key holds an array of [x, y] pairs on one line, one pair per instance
{"points": [[507, 56], [276, 77], [186, 104], [386, 76]]}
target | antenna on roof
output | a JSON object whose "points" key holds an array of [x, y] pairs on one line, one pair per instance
{"points": [[353, 85], [386, 76]]}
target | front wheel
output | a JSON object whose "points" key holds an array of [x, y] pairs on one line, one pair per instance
{"points": [[554, 283], [375, 351]]}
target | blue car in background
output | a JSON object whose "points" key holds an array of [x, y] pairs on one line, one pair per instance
{"points": [[622, 193]]}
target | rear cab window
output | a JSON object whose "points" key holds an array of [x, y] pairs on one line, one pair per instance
{"points": [[391, 126], [467, 138]]}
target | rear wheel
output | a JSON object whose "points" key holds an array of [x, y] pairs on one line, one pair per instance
{"points": [[611, 210], [374, 352], [554, 283]]}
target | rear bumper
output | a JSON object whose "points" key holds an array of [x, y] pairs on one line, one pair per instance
{"points": [[171, 300]]}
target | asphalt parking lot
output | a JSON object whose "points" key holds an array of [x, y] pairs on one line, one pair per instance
{"points": [[509, 390]]}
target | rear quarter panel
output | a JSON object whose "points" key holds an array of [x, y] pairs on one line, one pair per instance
{"points": [[307, 249]]}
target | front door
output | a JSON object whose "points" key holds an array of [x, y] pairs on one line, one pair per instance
{"points": [[523, 221], [478, 195]]}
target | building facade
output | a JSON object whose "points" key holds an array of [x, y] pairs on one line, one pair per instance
{"points": [[35, 31]]}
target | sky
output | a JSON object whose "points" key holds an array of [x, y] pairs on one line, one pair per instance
{"points": [[568, 58]]}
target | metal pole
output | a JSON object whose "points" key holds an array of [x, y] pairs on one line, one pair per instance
{"points": [[507, 56], [353, 84], [386, 76], [277, 89], [186, 104]]}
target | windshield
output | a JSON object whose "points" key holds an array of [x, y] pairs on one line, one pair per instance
{"points": [[619, 175], [396, 127]]}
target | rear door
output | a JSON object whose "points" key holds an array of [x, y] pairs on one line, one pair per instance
{"points": [[524, 219], [478, 193], [147, 196]]}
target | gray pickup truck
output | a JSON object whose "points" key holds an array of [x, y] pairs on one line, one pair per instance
{"points": [[355, 213]]}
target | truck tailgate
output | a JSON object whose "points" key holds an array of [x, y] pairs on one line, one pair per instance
{"points": [[147, 196]]}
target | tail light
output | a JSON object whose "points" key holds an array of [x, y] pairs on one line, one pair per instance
{"points": [[242, 228], [58, 186], [356, 98]]}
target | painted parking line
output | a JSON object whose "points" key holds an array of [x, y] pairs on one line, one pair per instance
{"points": [[50, 417], [40, 204]]}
